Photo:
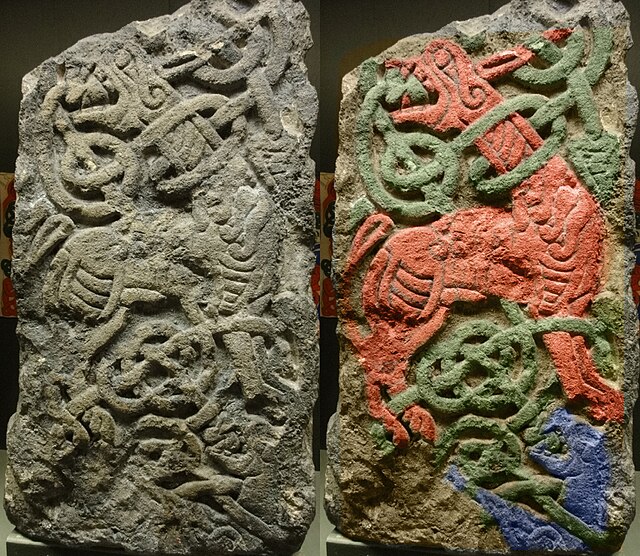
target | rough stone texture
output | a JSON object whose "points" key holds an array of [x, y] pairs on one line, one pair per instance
{"points": [[489, 352], [162, 262]]}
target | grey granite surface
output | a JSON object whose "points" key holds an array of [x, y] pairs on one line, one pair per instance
{"points": [[168, 334]]}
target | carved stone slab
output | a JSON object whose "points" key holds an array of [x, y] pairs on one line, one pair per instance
{"points": [[489, 341], [162, 261]]}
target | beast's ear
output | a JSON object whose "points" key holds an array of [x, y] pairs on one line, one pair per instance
{"points": [[557, 35], [406, 66], [504, 62], [508, 61]]}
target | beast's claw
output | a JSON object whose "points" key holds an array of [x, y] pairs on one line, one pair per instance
{"points": [[421, 422]]}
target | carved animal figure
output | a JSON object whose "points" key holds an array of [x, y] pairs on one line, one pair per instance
{"points": [[544, 251], [574, 453]]}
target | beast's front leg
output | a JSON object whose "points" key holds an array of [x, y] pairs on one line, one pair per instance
{"points": [[579, 377]]}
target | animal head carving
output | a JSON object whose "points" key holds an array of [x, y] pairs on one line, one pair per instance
{"points": [[459, 92]]}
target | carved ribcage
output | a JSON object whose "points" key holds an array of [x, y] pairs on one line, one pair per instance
{"points": [[90, 293], [393, 287], [408, 292], [508, 143], [236, 275]]}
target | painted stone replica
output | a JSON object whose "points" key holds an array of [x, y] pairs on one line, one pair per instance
{"points": [[489, 342], [162, 260]]}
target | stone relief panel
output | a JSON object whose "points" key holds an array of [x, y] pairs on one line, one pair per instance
{"points": [[489, 341], [162, 262]]}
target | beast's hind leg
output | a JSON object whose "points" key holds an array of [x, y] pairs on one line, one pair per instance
{"points": [[379, 410], [416, 417], [392, 352]]}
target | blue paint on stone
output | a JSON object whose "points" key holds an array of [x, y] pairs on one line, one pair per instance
{"points": [[524, 531], [521, 529], [455, 478], [573, 451], [584, 468]]}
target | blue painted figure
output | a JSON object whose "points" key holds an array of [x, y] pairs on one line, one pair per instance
{"points": [[584, 469], [572, 451]]}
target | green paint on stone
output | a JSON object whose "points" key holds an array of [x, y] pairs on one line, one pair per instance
{"points": [[472, 43], [415, 188], [600, 54], [360, 210], [489, 384], [382, 442], [556, 74], [596, 160], [609, 310], [412, 188], [485, 369], [487, 453], [477, 370], [367, 77]]}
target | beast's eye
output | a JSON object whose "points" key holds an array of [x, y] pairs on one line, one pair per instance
{"points": [[442, 58]]}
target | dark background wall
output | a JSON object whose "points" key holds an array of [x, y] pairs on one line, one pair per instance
{"points": [[345, 33]]}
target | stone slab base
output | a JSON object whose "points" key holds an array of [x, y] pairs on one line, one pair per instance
{"points": [[19, 545], [339, 545]]}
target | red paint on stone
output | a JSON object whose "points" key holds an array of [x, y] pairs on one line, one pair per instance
{"points": [[503, 63], [508, 143], [557, 35], [545, 251], [9, 303], [462, 91], [447, 74], [635, 284], [580, 377], [636, 197]]}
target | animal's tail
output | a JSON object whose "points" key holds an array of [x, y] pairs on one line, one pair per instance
{"points": [[373, 230], [385, 375]]}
